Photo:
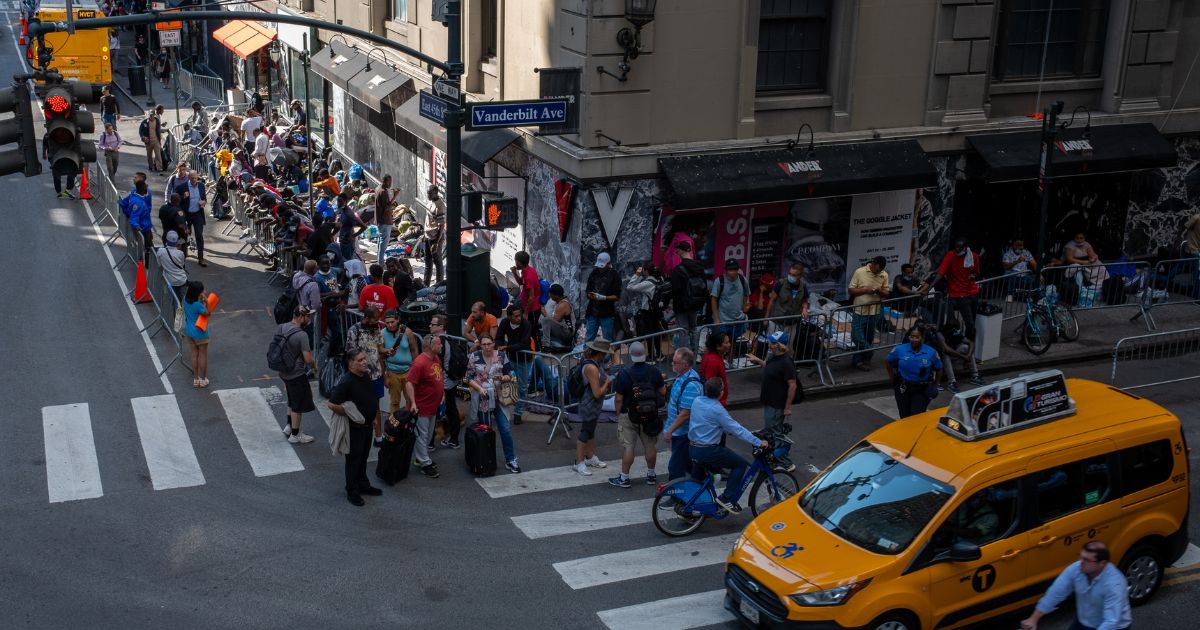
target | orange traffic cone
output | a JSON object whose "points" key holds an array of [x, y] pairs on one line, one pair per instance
{"points": [[84, 193], [140, 293]]}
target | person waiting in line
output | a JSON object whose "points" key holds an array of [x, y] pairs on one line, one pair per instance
{"points": [[869, 286], [789, 303], [952, 344], [729, 299], [400, 346], [603, 291], [136, 206], [434, 236], [908, 288], [960, 266], [686, 304], [512, 337], [717, 346], [171, 259], [487, 369], [707, 425], [195, 304], [914, 370], [760, 303], [1019, 265], [640, 393], [479, 323], [645, 288], [558, 338], [596, 385]]}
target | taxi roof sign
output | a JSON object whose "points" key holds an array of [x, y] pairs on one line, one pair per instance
{"points": [[1009, 405]]}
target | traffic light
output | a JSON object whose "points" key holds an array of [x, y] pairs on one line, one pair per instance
{"points": [[501, 213], [18, 129], [65, 122]]}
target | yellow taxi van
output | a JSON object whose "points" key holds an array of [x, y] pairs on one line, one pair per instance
{"points": [[953, 516]]}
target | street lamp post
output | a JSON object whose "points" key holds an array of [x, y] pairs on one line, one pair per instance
{"points": [[454, 122], [306, 62], [1045, 178]]}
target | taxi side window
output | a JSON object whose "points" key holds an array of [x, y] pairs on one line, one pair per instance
{"points": [[1072, 487], [1146, 465], [985, 517]]}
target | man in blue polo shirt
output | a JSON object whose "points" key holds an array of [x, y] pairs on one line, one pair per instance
{"points": [[684, 390]]}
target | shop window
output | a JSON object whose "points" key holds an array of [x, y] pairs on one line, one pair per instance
{"points": [[489, 25], [793, 45], [1073, 487], [1050, 38], [1146, 465], [987, 516], [400, 10]]}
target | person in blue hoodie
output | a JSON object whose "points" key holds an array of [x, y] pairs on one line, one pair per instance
{"points": [[136, 205]]}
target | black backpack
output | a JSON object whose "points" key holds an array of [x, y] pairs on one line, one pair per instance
{"points": [[285, 306], [277, 352], [660, 299], [576, 382], [456, 365], [697, 290], [643, 404]]}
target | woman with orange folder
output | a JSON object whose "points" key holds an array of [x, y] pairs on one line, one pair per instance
{"points": [[197, 305]]}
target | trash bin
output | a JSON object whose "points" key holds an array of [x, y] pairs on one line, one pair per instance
{"points": [[989, 323], [137, 80]]}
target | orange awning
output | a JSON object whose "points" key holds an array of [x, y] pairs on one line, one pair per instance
{"points": [[243, 37]]}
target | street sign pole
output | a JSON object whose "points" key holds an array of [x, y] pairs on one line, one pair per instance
{"points": [[1045, 178], [454, 122]]}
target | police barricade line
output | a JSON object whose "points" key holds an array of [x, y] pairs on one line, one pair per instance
{"points": [[1097, 286], [808, 341], [99, 175], [1159, 352], [239, 214], [132, 239], [167, 302], [863, 329], [1170, 281], [549, 367], [1002, 291]]}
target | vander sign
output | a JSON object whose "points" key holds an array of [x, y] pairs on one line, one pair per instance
{"points": [[808, 166], [516, 114]]}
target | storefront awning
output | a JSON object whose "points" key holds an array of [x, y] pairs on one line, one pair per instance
{"points": [[338, 63], [711, 181], [478, 147], [244, 37], [376, 84], [1105, 149]]}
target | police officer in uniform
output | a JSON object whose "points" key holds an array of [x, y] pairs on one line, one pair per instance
{"points": [[915, 370]]}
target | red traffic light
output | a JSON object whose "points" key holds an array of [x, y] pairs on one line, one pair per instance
{"points": [[58, 106], [501, 213]]}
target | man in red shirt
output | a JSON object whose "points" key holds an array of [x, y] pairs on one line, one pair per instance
{"points": [[377, 293], [424, 392], [960, 266], [713, 364], [531, 287]]}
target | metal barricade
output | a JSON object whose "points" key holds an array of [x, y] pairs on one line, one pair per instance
{"points": [[808, 341], [168, 306], [549, 367], [1170, 281], [1159, 354], [882, 325], [1000, 291], [207, 89], [102, 191], [1099, 285]]}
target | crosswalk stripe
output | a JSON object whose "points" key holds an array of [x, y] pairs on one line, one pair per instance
{"points": [[72, 469], [885, 405], [639, 563], [169, 455], [257, 430], [584, 519], [327, 416], [676, 613], [557, 478]]}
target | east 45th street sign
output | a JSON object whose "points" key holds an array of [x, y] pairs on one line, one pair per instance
{"points": [[516, 114]]}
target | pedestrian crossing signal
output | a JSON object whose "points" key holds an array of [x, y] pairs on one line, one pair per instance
{"points": [[501, 213]]}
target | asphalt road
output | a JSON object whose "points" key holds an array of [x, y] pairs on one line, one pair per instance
{"points": [[229, 539]]}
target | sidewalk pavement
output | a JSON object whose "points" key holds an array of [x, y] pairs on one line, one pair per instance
{"points": [[1100, 329]]}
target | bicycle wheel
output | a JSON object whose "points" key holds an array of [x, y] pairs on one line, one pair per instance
{"points": [[670, 518], [1038, 333], [1068, 324], [784, 487]]}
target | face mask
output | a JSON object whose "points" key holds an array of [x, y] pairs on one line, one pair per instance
{"points": [[1017, 251], [793, 279], [140, 187], [960, 251]]}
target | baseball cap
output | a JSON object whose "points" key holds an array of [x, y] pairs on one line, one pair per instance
{"points": [[603, 259], [731, 264], [637, 352], [776, 337], [172, 237]]}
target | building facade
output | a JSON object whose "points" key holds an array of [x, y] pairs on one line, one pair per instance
{"points": [[774, 131]]}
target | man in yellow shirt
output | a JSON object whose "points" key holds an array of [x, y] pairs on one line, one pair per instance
{"points": [[224, 159], [868, 286]]}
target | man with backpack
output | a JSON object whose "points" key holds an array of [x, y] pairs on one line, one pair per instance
{"points": [[603, 291], [730, 293], [689, 294], [640, 392], [289, 354], [454, 369]]}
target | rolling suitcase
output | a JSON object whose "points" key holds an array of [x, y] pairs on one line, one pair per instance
{"points": [[396, 454], [480, 448]]}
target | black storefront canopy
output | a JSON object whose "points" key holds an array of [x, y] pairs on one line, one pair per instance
{"points": [[1078, 151], [477, 146], [339, 63], [710, 181], [377, 83]]}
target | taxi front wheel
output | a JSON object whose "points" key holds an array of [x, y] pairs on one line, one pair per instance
{"points": [[1143, 569], [895, 620]]}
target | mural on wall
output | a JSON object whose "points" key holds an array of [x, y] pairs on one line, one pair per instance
{"points": [[632, 239], [1161, 200], [555, 256], [935, 214]]}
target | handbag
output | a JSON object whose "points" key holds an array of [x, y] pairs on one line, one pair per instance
{"points": [[507, 393]]}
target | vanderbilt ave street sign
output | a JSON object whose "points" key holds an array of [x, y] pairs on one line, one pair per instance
{"points": [[516, 114]]}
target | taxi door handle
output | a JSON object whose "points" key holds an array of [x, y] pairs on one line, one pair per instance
{"points": [[1010, 554], [1046, 541]]}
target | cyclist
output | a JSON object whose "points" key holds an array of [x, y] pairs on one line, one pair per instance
{"points": [[709, 420]]}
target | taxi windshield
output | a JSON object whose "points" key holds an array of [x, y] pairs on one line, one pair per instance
{"points": [[874, 501]]}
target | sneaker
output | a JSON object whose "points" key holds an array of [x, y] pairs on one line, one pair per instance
{"points": [[356, 500], [582, 469], [68, 194], [300, 438], [62, 195], [517, 419], [448, 443], [785, 465], [728, 505], [620, 481], [595, 462], [667, 503], [370, 491], [941, 388], [651, 479], [954, 386], [432, 447], [287, 428], [512, 466], [430, 470], [975, 380]]}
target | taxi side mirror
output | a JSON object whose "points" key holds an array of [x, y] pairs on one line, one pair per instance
{"points": [[964, 551]]}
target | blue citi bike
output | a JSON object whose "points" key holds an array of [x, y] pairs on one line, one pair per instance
{"points": [[682, 505]]}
